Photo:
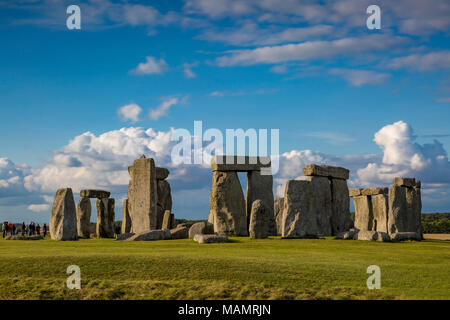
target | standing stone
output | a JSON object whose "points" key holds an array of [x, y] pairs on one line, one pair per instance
{"points": [[63, 219], [161, 173], [164, 195], [363, 213], [321, 203], [227, 204], [84, 218], [126, 219], [340, 201], [167, 220], [105, 218], [172, 221], [261, 187], [405, 206], [260, 217], [159, 216], [278, 206], [380, 205], [299, 218], [142, 195]]}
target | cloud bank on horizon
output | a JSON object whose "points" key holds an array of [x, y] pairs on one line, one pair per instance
{"points": [[90, 161]]}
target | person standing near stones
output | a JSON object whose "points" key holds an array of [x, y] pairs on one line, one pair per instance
{"points": [[4, 228], [23, 228], [44, 229], [30, 229], [38, 229]]}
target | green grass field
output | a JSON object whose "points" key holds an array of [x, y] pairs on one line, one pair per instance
{"points": [[243, 269]]}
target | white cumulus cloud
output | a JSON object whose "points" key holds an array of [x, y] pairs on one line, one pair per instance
{"points": [[130, 112], [151, 66]]}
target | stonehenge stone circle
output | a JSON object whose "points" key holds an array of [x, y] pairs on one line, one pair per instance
{"points": [[229, 212], [161, 173], [201, 228], [227, 204], [319, 205], [394, 210], [126, 219], [63, 219], [260, 225], [105, 218], [278, 213], [142, 195], [84, 218]]}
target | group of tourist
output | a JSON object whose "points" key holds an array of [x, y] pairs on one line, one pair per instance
{"points": [[31, 229]]}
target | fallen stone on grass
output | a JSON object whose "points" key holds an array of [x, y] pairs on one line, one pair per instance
{"points": [[201, 228], [181, 232], [399, 236], [371, 236], [347, 235], [151, 235], [210, 238], [124, 236], [20, 237]]}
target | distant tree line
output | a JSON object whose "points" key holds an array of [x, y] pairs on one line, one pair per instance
{"points": [[436, 222]]}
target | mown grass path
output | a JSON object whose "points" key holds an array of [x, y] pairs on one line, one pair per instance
{"points": [[243, 269]]}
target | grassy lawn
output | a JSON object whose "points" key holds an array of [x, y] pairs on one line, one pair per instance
{"points": [[243, 269]]}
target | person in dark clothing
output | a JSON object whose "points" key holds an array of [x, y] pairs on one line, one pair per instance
{"points": [[38, 229], [23, 228], [44, 228]]}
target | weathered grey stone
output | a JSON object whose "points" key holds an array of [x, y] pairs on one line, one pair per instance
{"points": [[380, 205], [167, 220], [124, 236], [84, 218], [210, 238], [201, 228], [143, 195], [239, 163], [20, 237], [172, 220], [399, 236], [160, 217], [371, 236], [374, 191], [299, 218], [63, 219], [261, 187], [99, 194], [404, 182], [126, 219], [278, 212], [363, 213], [405, 207], [354, 192], [340, 204], [260, 217], [164, 195], [347, 235], [321, 205], [161, 173], [326, 171], [105, 218], [179, 233], [151, 235], [227, 204]]}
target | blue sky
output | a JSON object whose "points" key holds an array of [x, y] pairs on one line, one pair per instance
{"points": [[311, 69]]}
